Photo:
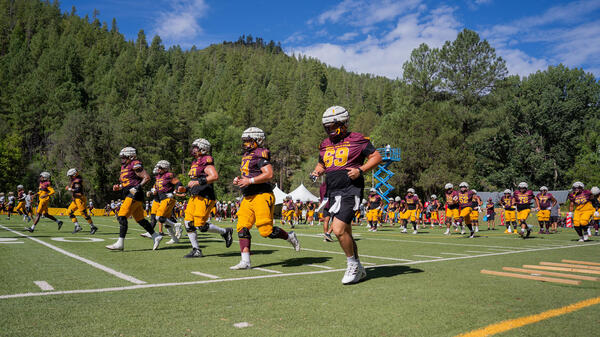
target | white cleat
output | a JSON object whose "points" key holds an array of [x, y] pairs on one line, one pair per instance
{"points": [[293, 240], [581, 240], [241, 265], [170, 242], [354, 273], [403, 230], [415, 231], [476, 229], [146, 235], [115, 246], [156, 237], [178, 230], [585, 238], [462, 232], [447, 232]]}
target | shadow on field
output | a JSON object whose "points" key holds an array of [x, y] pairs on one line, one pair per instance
{"points": [[297, 262], [237, 253], [390, 271]]}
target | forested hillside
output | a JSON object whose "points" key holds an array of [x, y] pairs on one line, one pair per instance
{"points": [[74, 91]]}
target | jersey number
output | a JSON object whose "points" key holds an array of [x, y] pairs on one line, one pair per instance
{"points": [[124, 180], [336, 157], [245, 168]]}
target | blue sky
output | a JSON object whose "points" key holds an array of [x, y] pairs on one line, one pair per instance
{"points": [[374, 36]]}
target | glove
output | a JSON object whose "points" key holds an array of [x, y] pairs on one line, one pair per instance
{"points": [[170, 195], [596, 214], [133, 190], [153, 190], [313, 178]]}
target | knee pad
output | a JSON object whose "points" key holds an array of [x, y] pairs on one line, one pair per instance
{"points": [[244, 233], [122, 220], [87, 217], [189, 226], [204, 228], [162, 219], [275, 233]]}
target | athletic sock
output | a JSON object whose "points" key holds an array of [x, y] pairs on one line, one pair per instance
{"points": [[193, 236], [351, 259], [120, 241], [246, 257], [147, 226], [76, 224], [215, 229]]}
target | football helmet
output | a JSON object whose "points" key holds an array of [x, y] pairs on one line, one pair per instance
{"points": [[578, 184], [71, 172], [507, 191], [448, 186], [155, 170], [595, 190], [45, 175], [433, 197], [464, 184], [544, 188], [163, 164], [523, 185], [128, 152], [335, 121], [252, 138], [372, 190], [474, 191], [398, 199], [19, 187], [202, 144], [411, 190]]}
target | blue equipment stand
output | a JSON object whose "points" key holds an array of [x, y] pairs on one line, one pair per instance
{"points": [[383, 174]]}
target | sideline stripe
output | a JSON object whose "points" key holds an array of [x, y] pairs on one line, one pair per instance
{"points": [[82, 259], [176, 284], [45, 286], [205, 275], [268, 270], [320, 266], [522, 321], [432, 257], [456, 254]]}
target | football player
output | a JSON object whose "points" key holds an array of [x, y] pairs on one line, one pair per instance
{"points": [[152, 207], [79, 201], [510, 218], [435, 207], [10, 204], [20, 209], [413, 206], [523, 198], [451, 206], [490, 213], [342, 158], [2, 202], [90, 207], [465, 203], [202, 199], [131, 180], [374, 203], [165, 186], [544, 202], [258, 203], [310, 213], [290, 210], [581, 209], [44, 193], [596, 203], [475, 209], [29, 204]]}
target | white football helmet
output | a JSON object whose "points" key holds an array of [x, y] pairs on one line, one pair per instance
{"points": [[163, 164], [578, 184], [203, 145], [474, 191], [433, 197], [364, 201], [507, 191], [20, 187], [335, 114], [45, 175], [448, 186], [398, 199], [464, 184], [372, 190], [411, 190], [128, 152], [155, 170], [544, 188], [523, 185], [71, 172], [255, 134], [595, 190]]}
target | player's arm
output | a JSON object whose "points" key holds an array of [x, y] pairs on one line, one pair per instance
{"points": [[264, 177], [537, 203], [571, 205], [373, 160], [50, 191], [319, 169], [554, 201], [140, 172]]}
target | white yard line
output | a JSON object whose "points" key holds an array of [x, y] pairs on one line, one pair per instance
{"points": [[45, 286], [205, 275], [431, 257], [268, 270], [437, 243], [456, 254], [319, 266], [177, 284], [82, 259], [476, 252]]}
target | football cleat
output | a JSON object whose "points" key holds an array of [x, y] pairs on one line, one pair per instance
{"points": [[241, 265], [403, 230], [170, 242], [60, 223], [29, 229], [447, 232], [196, 252], [327, 238], [228, 237], [156, 237], [76, 229], [146, 235], [93, 229], [415, 231], [293, 240], [354, 273], [115, 246]]}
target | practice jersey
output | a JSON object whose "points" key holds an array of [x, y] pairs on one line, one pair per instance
{"points": [[45, 190], [11, 200], [544, 200], [350, 152], [289, 205], [581, 199], [252, 163], [374, 201], [28, 199], [130, 179], [76, 185], [507, 202], [451, 199], [21, 195], [523, 199], [196, 171], [164, 184], [465, 199], [412, 201], [435, 205], [489, 208]]}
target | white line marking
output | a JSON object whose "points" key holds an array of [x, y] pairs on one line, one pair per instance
{"points": [[205, 275], [43, 285], [476, 252], [10, 240], [319, 266], [368, 263], [432, 257], [455, 254], [437, 243], [268, 270], [502, 249], [82, 259], [330, 252], [177, 284]]}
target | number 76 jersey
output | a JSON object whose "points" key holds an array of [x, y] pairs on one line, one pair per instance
{"points": [[337, 158]]}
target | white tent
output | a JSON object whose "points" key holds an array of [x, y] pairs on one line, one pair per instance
{"points": [[279, 195], [303, 194]]}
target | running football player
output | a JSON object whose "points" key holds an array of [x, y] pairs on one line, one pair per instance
{"points": [[465, 203], [413, 205], [258, 202], [44, 193], [203, 175], [374, 204], [165, 186], [581, 209], [523, 198], [21, 203], [544, 202], [435, 208], [475, 209], [131, 180], [79, 201], [10, 204], [342, 158], [451, 206], [510, 218]]}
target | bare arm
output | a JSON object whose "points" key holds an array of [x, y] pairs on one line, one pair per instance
{"points": [[373, 160]]}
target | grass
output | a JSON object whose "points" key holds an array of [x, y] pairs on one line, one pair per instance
{"points": [[421, 297]]}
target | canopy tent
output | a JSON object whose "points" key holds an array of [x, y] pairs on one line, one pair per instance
{"points": [[279, 195], [303, 194]]}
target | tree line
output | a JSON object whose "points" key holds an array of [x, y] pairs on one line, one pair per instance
{"points": [[74, 91]]}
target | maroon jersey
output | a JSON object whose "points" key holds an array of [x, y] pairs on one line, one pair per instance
{"points": [[489, 208], [199, 165], [411, 201], [465, 199], [289, 205], [582, 198], [523, 199], [451, 199], [374, 201], [507, 202], [435, 205], [544, 200], [349, 152], [76, 185], [21, 195], [252, 163], [130, 179], [164, 184]]}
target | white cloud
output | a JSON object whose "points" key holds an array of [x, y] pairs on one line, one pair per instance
{"points": [[365, 13], [348, 36], [180, 22], [518, 62]]}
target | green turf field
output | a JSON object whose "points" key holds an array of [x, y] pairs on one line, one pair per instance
{"points": [[417, 285]]}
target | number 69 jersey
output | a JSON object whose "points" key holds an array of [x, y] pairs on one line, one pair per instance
{"points": [[337, 158]]}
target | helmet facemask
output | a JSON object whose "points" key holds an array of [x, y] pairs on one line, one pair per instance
{"points": [[336, 131]]}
